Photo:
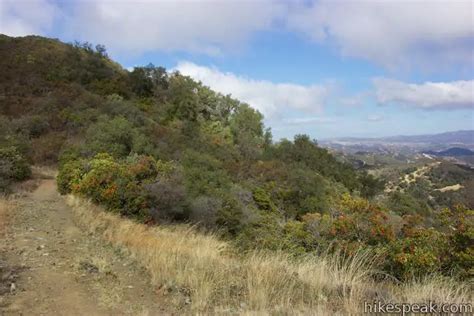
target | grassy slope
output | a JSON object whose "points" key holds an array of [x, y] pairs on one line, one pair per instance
{"points": [[202, 268]]}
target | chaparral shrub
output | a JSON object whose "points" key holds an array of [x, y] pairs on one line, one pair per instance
{"points": [[13, 167]]}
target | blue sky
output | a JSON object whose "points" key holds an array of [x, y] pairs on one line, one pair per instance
{"points": [[325, 68]]}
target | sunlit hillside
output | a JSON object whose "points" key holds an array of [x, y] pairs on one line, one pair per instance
{"points": [[110, 175]]}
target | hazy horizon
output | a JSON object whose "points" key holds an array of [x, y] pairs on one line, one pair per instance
{"points": [[405, 135]]}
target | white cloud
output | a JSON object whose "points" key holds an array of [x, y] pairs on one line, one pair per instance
{"points": [[428, 95], [268, 97], [309, 120], [392, 33], [375, 118], [197, 26], [26, 17]]}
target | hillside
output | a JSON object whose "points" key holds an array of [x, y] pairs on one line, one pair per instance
{"points": [[66, 256], [37, 69], [155, 148], [451, 152]]}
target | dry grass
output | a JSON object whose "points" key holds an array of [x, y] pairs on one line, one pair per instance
{"points": [[206, 278], [6, 208], [26, 186], [436, 289]]}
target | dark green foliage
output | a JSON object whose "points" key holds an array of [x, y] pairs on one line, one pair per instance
{"points": [[370, 186], [13, 167], [307, 192], [10, 136], [148, 81], [32, 126], [203, 209], [450, 174], [183, 102], [264, 233], [267, 231], [116, 136], [247, 128], [306, 152], [204, 175], [404, 203], [230, 215], [263, 200], [167, 196]]}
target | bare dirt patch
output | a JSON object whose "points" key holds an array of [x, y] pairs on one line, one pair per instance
{"points": [[455, 187]]}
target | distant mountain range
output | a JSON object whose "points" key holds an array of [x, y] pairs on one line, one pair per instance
{"points": [[461, 137], [444, 144], [456, 137], [451, 152]]}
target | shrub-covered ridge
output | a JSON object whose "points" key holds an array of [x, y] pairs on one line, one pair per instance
{"points": [[161, 147]]}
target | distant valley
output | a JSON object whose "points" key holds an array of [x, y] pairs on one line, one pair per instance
{"points": [[443, 140], [457, 146]]}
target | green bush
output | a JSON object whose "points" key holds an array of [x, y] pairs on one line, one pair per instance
{"points": [[33, 126], [263, 200], [460, 239], [116, 136], [121, 185], [204, 175], [264, 232], [167, 198], [19, 167], [13, 167], [70, 174], [236, 211], [204, 209], [424, 252]]}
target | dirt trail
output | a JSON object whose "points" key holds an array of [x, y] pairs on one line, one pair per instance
{"points": [[64, 271], [455, 187], [420, 172]]}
